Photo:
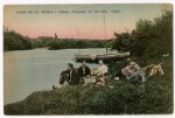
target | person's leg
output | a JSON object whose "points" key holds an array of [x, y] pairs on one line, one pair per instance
{"points": [[82, 80]]}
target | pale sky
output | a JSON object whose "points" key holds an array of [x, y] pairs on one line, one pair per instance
{"points": [[78, 25]]}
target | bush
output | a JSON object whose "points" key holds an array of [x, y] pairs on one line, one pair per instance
{"points": [[152, 97], [148, 39], [15, 41]]}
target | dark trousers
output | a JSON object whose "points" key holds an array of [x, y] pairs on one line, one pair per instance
{"points": [[120, 75]]}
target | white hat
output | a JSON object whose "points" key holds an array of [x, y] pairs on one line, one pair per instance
{"points": [[132, 63], [100, 61]]}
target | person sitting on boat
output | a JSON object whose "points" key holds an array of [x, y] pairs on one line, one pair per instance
{"points": [[128, 71], [84, 70], [102, 72]]}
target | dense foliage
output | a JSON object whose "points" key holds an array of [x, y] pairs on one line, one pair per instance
{"points": [[149, 39], [15, 41], [67, 44]]}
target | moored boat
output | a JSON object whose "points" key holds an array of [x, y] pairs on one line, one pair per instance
{"points": [[92, 58]]}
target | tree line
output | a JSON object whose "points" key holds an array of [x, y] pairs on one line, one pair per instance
{"points": [[149, 39], [16, 41]]}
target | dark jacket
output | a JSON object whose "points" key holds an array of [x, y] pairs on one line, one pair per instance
{"points": [[87, 71], [74, 76]]}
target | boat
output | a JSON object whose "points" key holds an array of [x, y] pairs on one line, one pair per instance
{"points": [[107, 58]]}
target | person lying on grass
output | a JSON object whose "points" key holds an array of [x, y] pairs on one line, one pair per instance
{"points": [[133, 70], [128, 70]]}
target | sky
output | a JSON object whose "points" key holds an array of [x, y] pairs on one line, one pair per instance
{"points": [[78, 21]]}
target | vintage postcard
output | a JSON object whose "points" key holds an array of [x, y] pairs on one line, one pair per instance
{"points": [[82, 59]]}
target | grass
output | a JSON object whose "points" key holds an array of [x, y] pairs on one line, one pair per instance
{"points": [[155, 96]]}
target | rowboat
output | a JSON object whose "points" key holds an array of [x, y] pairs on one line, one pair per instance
{"points": [[92, 58]]}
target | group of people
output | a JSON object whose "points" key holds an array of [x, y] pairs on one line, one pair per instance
{"points": [[134, 71], [76, 76]]}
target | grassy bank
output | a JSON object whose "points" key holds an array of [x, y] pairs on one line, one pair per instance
{"points": [[155, 96]]}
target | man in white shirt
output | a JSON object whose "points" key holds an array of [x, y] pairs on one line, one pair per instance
{"points": [[102, 71]]}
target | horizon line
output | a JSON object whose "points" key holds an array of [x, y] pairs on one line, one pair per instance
{"points": [[52, 37]]}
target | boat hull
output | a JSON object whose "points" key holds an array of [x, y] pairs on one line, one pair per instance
{"points": [[107, 58]]}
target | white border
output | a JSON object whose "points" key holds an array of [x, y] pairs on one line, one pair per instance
{"points": [[82, 1], [3, 2]]}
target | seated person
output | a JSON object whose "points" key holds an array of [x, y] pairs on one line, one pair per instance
{"points": [[102, 73], [102, 69], [84, 70], [73, 75], [128, 71]]}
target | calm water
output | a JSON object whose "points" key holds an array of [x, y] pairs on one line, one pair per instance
{"points": [[38, 69]]}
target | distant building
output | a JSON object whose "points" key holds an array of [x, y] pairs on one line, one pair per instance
{"points": [[55, 36]]}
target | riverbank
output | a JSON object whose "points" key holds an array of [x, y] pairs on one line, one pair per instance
{"points": [[155, 96], [37, 70]]}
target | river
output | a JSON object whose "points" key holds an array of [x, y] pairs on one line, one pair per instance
{"points": [[27, 71]]}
